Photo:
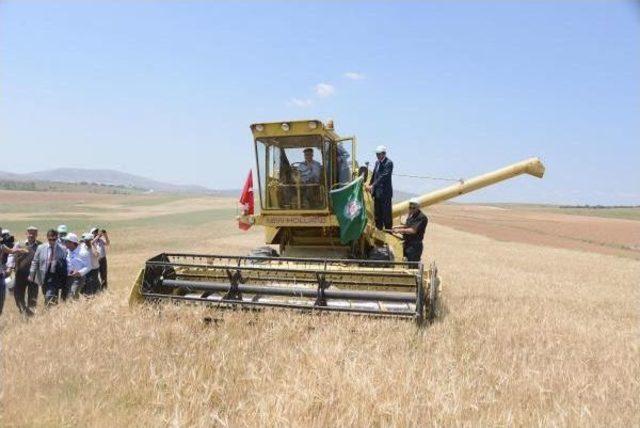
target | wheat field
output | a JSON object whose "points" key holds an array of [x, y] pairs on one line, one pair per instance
{"points": [[528, 335]]}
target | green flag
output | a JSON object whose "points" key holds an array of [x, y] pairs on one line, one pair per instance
{"points": [[348, 206]]}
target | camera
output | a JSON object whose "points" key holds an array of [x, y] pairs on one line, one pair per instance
{"points": [[7, 240]]}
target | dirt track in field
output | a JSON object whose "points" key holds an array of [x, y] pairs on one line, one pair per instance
{"points": [[593, 234]]}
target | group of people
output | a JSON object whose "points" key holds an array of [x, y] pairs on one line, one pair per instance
{"points": [[381, 190], [63, 267]]}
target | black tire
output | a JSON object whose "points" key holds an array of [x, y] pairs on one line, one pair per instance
{"points": [[379, 254], [264, 251]]}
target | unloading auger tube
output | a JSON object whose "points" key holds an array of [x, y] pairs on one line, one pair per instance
{"points": [[378, 288], [531, 166]]}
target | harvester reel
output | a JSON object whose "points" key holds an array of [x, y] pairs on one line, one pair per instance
{"points": [[379, 288]]}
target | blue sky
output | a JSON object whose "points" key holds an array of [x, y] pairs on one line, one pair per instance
{"points": [[168, 89]]}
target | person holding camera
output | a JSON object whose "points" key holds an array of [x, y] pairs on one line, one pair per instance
{"points": [[101, 241], [92, 280], [22, 266], [6, 244]]}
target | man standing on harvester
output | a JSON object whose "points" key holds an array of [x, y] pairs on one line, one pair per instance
{"points": [[413, 231], [381, 189]]}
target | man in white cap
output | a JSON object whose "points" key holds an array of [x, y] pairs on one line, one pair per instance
{"points": [[413, 231], [22, 266], [62, 233], [381, 189], [78, 265]]}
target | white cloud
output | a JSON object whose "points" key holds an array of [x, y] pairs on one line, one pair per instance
{"points": [[324, 90], [298, 102], [352, 75]]}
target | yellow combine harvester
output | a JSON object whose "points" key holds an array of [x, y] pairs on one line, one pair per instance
{"points": [[311, 270]]}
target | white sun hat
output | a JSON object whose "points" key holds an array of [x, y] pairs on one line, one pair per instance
{"points": [[71, 237], [381, 149]]}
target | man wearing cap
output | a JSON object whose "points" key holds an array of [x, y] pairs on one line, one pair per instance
{"points": [[92, 282], [310, 169], [381, 189], [49, 268], [62, 233], [413, 231], [22, 265], [78, 265], [310, 173]]}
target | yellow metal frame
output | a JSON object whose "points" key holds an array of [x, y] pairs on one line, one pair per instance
{"points": [[135, 296]]}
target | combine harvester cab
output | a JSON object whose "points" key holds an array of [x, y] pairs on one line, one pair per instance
{"points": [[298, 164]]}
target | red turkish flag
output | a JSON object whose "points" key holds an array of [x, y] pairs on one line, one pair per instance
{"points": [[246, 201]]}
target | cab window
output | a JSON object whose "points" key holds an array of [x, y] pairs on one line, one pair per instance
{"points": [[291, 173]]}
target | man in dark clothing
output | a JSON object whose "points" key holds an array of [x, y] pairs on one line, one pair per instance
{"points": [[381, 189], [49, 268], [413, 231], [22, 266]]}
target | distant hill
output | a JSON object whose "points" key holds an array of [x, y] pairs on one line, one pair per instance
{"points": [[105, 177], [113, 181]]}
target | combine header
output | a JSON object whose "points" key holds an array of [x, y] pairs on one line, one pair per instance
{"points": [[297, 283], [298, 163]]}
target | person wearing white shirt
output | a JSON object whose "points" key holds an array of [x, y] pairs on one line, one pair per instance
{"points": [[101, 240], [78, 265], [92, 282], [310, 174], [5, 251], [310, 169]]}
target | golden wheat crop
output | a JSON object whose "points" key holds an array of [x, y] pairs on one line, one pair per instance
{"points": [[528, 335]]}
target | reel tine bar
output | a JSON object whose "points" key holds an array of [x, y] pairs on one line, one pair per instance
{"points": [[387, 288]]}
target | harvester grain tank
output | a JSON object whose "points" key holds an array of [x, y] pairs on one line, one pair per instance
{"points": [[311, 269]]}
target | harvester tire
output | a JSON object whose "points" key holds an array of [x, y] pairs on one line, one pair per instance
{"points": [[264, 251], [380, 254]]}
